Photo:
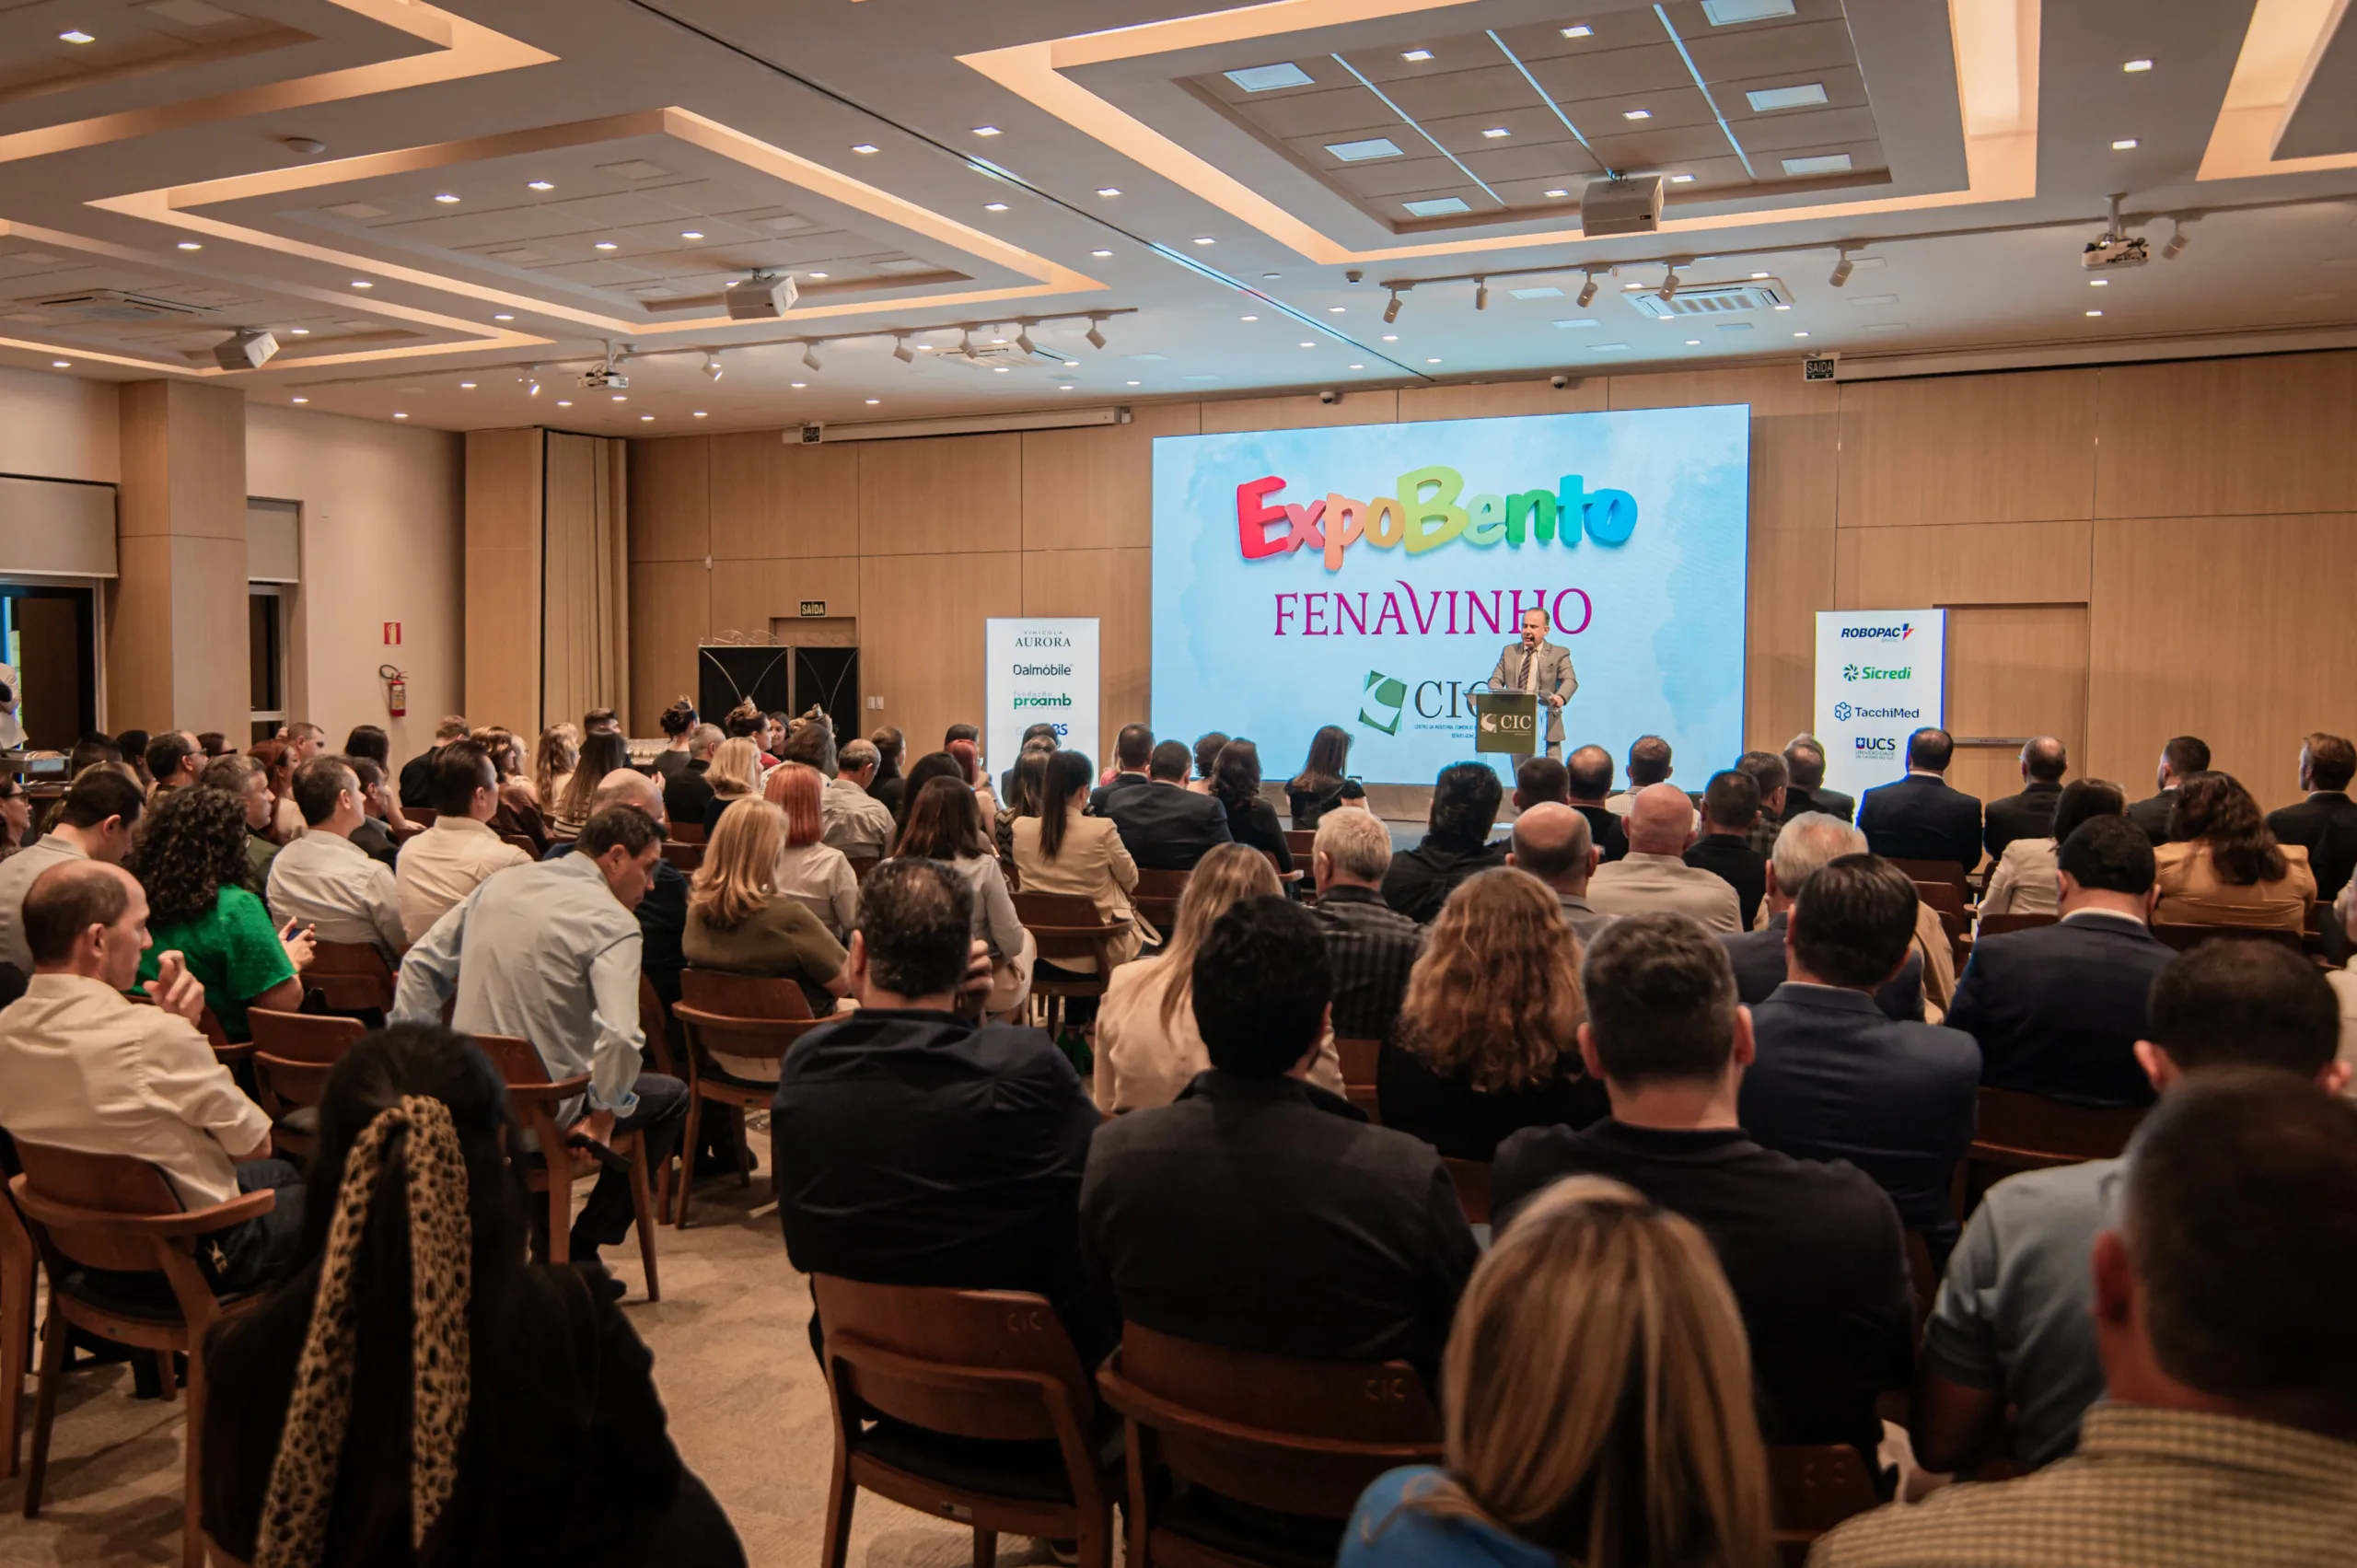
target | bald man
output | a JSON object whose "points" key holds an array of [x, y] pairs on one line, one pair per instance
{"points": [[1653, 877], [1553, 843], [663, 912], [2030, 814]]}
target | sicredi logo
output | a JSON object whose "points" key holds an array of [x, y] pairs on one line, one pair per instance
{"points": [[1898, 633], [1876, 672]]}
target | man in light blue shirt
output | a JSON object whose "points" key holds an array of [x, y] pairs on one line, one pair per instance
{"points": [[550, 953]]}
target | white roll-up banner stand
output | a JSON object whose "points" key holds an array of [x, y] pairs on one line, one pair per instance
{"points": [[1039, 669], [1881, 674]]}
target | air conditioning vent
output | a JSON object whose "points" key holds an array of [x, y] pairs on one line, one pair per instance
{"points": [[1712, 300], [1010, 356], [113, 304]]}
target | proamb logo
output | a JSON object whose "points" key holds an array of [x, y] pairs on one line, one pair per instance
{"points": [[1388, 692]]}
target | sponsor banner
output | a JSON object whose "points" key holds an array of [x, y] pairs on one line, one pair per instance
{"points": [[1881, 675], [1370, 577], [1038, 669]]}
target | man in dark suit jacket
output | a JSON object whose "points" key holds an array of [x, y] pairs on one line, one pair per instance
{"points": [[2058, 1009], [1802, 850], [1805, 762], [1920, 818], [1730, 807], [1586, 785], [1833, 1078], [1455, 844], [2327, 821], [1132, 752], [1162, 824], [2030, 814], [415, 772], [1259, 1212], [2183, 757], [913, 1147]]}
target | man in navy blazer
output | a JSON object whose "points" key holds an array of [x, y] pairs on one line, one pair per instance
{"points": [[1162, 824], [1804, 844], [1132, 750], [2058, 1009], [1833, 1079], [1920, 818]]}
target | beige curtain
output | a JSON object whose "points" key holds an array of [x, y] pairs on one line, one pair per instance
{"points": [[585, 576]]}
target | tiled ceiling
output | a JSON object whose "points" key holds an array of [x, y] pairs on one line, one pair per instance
{"points": [[47, 46]]}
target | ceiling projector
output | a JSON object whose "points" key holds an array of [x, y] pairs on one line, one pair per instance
{"points": [[2112, 249], [605, 379], [764, 296], [1621, 206], [247, 350]]}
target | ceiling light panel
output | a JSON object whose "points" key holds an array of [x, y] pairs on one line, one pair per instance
{"points": [[1271, 78], [1806, 95]]}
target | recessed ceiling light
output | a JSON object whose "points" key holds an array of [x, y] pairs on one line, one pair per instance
{"points": [[1248, 318], [1583, 30], [1416, 56], [1269, 79], [1637, 114], [1272, 276], [1309, 344], [1806, 95], [1693, 342], [2131, 66], [1392, 337], [76, 35], [1496, 132], [818, 275], [1800, 334], [189, 245], [986, 131], [999, 369], [993, 206], [1101, 254], [361, 283], [2125, 144], [61, 365], [1067, 387], [1204, 239], [538, 185], [298, 331], [1432, 362], [564, 402], [504, 316], [2095, 312], [607, 245], [863, 148], [2098, 283], [1681, 179], [299, 400], [622, 398], [1757, 276], [1136, 383], [1634, 287], [1363, 150], [401, 416], [466, 386], [446, 198], [798, 385], [646, 418], [1784, 307], [1109, 189], [873, 401], [1358, 366], [1336, 309], [1557, 195], [699, 413], [692, 234]]}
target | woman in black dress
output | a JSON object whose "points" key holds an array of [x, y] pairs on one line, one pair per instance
{"points": [[1322, 784], [1235, 785]]}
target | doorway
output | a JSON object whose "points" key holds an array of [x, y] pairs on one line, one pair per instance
{"points": [[49, 636]]}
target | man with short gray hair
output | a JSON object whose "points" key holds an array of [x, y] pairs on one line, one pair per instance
{"points": [[1804, 845], [852, 820], [1371, 946], [1553, 843], [1804, 762]]}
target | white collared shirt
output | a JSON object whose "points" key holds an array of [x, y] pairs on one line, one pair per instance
{"points": [[83, 1068], [330, 883], [443, 864], [18, 874]]}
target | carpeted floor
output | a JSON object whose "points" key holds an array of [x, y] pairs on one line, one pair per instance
{"points": [[732, 1358]]}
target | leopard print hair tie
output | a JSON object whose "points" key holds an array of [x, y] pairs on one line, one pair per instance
{"points": [[441, 1242]]}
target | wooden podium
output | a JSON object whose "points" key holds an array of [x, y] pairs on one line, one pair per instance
{"points": [[1507, 721]]}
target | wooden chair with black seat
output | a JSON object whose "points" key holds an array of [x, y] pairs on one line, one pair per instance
{"points": [[687, 833], [1293, 1442], [755, 1019], [96, 1217], [536, 1100], [1360, 1059], [1471, 1179], [1156, 896], [352, 978], [1945, 872], [1301, 841], [981, 1413], [688, 858], [2002, 925], [1066, 926], [294, 1054], [2019, 1131], [2184, 936]]}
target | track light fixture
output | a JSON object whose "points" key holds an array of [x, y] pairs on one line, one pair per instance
{"points": [[811, 356], [532, 381], [1668, 290], [1480, 293], [1842, 269], [2178, 240], [1096, 333], [1022, 338], [712, 365], [1391, 309], [1588, 292], [966, 344], [900, 350]]}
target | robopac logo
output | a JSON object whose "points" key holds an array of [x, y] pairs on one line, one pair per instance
{"points": [[1388, 692], [1898, 633]]}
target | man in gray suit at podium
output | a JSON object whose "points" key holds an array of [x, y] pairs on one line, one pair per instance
{"points": [[1537, 665]]}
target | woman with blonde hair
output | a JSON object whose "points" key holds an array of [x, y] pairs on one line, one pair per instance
{"points": [[2225, 865], [1596, 1399], [818, 875], [740, 923], [735, 775], [1488, 1041], [601, 753], [1147, 1046], [554, 756]]}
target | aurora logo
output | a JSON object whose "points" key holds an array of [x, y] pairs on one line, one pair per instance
{"points": [[1388, 692]]}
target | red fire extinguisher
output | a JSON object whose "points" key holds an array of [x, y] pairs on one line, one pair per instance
{"points": [[396, 690]]}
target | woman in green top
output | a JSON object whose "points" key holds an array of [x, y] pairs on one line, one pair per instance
{"points": [[192, 860]]}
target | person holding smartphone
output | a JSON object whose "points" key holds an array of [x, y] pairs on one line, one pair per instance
{"points": [[192, 862]]}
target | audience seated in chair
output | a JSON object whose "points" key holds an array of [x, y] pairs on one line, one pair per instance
{"points": [[510, 1414], [809, 868], [1063, 850], [1920, 816], [1766, 769], [1146, 1045], [2325, 824], [1235, 785], [1370, 945], [945, 823], [1259, 1212], [1585, 1399], [734, 775], [2219, 1289], [551, 954], [383, 824], [415, 785], [1553, 843], [326, 881], [2058, 1009], [688, 791], [663, 910], [1648, 764], [2186, 757], [1731, 811], [87, 1069], [603, 751], [1487, 1041], [2030, 814], [2015, 1323], [1653, 877], [1588, 784], [2223, 867], [1324, 784], [95, 821], [856, 822], [246, 778], [740, 923], [191, 858], [2022, 880], [1456, 844], [914, 1146], [1805, 844], [1162, 824], [1813, 1252], [450, 859], [1804, 762], [1132, 755], [1833, 1078]]}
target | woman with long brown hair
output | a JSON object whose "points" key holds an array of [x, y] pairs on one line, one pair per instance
{"points": [[1596, 1406], [601, 753], [1235, 785], [554, 756], [1488, 1041], [945, 823], [2225, 867], [1062, 850], [1321, 786], [1147, 1047]]}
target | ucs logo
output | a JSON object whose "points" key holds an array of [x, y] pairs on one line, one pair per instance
{"points": [[1876, 743], [1388, 693], [1841, 712]]}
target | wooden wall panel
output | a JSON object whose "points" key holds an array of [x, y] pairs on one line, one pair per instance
{"points": [[1796, 433], [747, 596], [1093, 489], [2225, 437], [920, 640], [2006, 448], [1493, 399], [670, 614], [772, 500], [1791, 579], [1964, 564], [1303, 411], [2015, 670], [503, 577], [945, 495], [671, 499], [2226, 633], [176, 630], [1117, 587]]}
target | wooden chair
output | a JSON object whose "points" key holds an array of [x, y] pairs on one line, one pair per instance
{"points": [[1999, 924], [2023, 1131], [1156, 898], [105, 1211], [687, 833], [758, 1017], [351, 977], [1359, 1058], [422, 816], [861, 864], [20, 1263], [655, 1023], [294, 1054], [1302, 1438], [1814, 1488], [688, 858], [523, 841], [1472, 1179], [1946, 871], [1301, 841], [2185, 936], [534, 1098], [1066, 926], [944, 1368]]}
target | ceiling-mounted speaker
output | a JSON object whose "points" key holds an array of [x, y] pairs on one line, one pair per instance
{"points": [[249, 350], [764, 296], [1621, 206]]}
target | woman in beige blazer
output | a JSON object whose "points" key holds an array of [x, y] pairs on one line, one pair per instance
{"points": [[1063, 851], [2225, 867]]}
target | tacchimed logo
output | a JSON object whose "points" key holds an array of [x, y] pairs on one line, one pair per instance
{"points": [[1385, 692], [1841, 712]]}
